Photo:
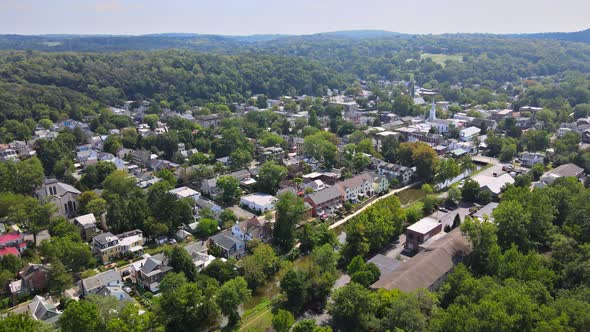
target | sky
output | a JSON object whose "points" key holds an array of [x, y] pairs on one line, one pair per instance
{"points": [[246, 17]]}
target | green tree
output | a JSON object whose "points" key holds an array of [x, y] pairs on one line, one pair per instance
{"points": [[486, 252], [282, 321], [294, 287], [470, 190], [58, 279], [448, 169], [270, 176], [182, 262], [513, 222], [186, 307], [75, 256], [230, 295], [352, 307], [168, 176], [207, 227], [290, 211], [80, 316], [261, 264], [21, 177], [222, 271], [22, 323], [309, 325], [508, 152], [34, 215], [240, 158], [230, 189], [321, 146]]}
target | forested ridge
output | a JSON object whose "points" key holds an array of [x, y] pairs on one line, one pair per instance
{"points": [[66, 80]]}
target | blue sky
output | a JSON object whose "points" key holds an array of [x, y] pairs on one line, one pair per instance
{"points": [[244, 17]]}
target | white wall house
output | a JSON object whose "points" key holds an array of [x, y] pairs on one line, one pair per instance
{"points": [[259, 202]]}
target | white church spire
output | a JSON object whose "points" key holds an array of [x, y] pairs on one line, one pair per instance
{"points": [[432, 115]]}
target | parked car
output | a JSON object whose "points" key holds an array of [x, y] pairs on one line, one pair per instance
{"points": [[127, 289]]}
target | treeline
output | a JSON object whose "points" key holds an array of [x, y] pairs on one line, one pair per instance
{"points": [[110, 78]]}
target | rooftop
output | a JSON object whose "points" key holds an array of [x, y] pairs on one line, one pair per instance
{"points": [[429, 266], [101, 279], [260, 199], [424, 225]]}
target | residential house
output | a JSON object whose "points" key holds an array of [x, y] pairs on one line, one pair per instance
{"points": [[429, 268], [493, 184], [186, 192], [259, 202], [255, 228], [229, 245], [153, 271], [485, 212], [63, 195], [199, 253], [356, 187], [208, 204], [395, 171], [469, 133], [106, 247], [94, 284], [6, 153], [141, 157], [44, 310], [33, 279], [116, 292], [12, 244], [131, 243], [315, 185], [529, 159], [420, 232], [565, 170], [325, 201], [87, 225], [210, 120]]}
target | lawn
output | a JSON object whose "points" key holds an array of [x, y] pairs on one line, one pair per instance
{"points": [[258, 318], [442, 58]]}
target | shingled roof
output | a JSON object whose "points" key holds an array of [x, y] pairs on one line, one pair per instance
{"points": [[429, 266]]}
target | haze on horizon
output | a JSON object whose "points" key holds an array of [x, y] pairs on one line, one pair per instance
{"points": [[243, 17]]}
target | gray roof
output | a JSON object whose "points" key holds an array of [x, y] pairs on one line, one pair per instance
{"points": [[101, 280], [104, 238], [224, 241], [429, 266], [325, 195], [153, 263], [44, 310], [196, 247], [486, 210], [385, 264], [567, 170], [115, 291]]}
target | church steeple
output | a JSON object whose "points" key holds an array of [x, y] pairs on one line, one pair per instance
{"points": [[432, 115]]}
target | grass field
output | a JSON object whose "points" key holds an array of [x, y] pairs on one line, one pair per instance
{"points": [[441, 58]]}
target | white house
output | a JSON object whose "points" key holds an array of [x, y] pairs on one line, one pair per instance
{"points": [[469, 133], [360, 185], [259, 202], [186, 192]]}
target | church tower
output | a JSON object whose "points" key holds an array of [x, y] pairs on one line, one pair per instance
{"points": [[432, 115]]}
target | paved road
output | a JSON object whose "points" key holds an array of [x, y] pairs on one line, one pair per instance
{"points": [[393, 192]]}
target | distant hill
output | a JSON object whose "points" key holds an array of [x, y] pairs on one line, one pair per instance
{"points": [[359, 34], [229, 44], [578, 36]]}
